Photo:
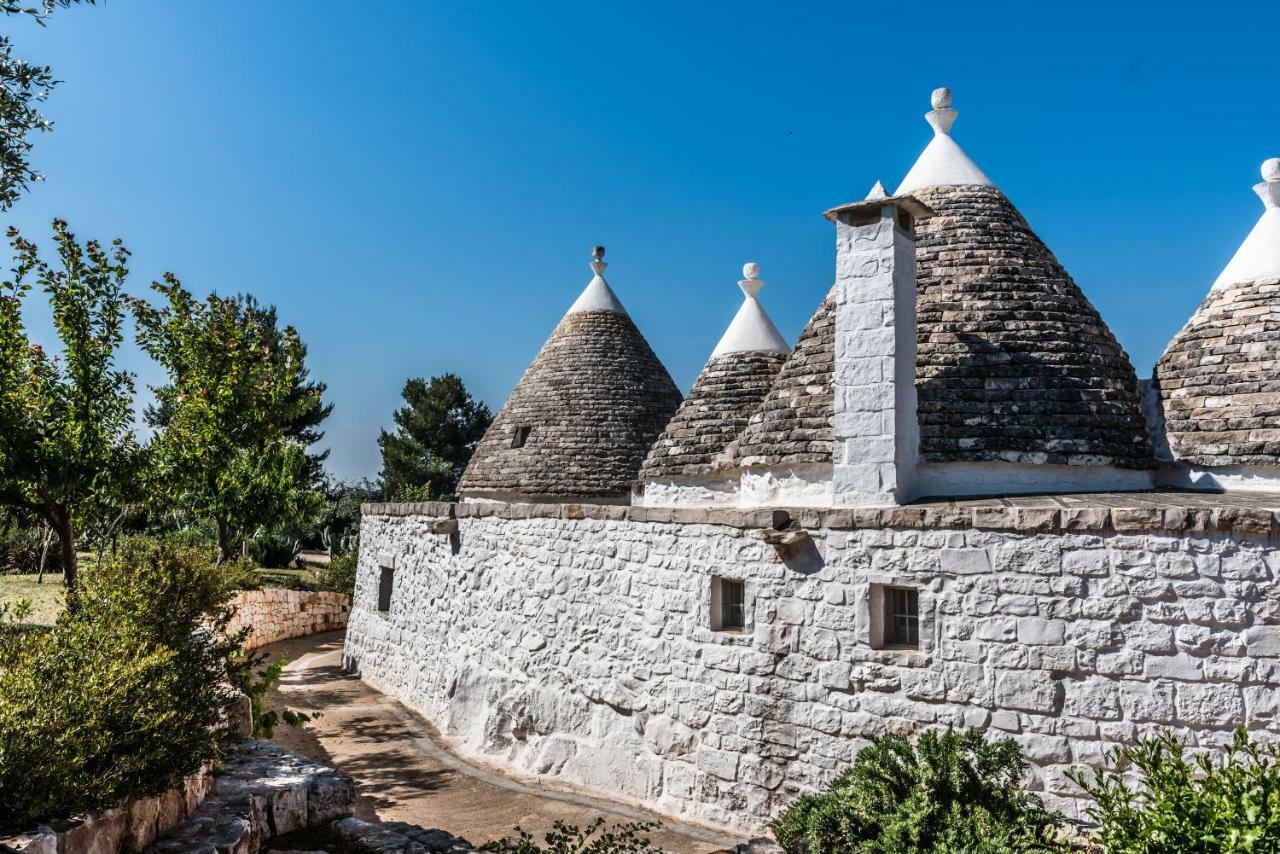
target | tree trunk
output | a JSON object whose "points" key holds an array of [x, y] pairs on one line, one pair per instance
{"points": [[46, 540], [67, 540], [224, 541]]}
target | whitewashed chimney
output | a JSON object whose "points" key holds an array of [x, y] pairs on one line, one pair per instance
{"points": [[877, 435]]}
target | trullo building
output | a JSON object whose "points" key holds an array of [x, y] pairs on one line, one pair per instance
{"points": [[939, 509]]}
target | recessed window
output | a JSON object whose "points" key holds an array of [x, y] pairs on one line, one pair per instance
{"points": [[906, 222], [864, 216], [895, 617], [385, 584], [728, 605], [521, 435], [902, 618]]}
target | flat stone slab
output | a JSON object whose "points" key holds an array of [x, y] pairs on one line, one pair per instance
{"points": [[398, 837], [262, 791]]}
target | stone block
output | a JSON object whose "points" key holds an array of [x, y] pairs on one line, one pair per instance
{"points": [[1030, 691]]}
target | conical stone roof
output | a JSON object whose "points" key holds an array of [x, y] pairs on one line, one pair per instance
{"points": [[1219, 379], [730, 388], [1013, 362], [585, 412], [795, 423]]}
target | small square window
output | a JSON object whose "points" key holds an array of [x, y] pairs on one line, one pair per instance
{"points": [[728, 605], [384, 588], [521, 435], [895, 617]]}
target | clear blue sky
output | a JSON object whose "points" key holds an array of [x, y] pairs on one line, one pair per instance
{"points": [[417, 185]]}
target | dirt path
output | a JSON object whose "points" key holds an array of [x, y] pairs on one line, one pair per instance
{"points": [[403, 773]]}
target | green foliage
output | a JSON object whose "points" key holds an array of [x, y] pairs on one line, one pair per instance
{"points": [[948, 792], [66, 439], [240, 573], [265, 719], [237, 414], [1196, 806], [436, 432], [24, 86], [124, 694], [339, 523], [275, 551], [339, 575], [627, 838]]}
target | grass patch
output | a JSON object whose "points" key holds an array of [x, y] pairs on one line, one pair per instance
{"points": [[46, 599]]}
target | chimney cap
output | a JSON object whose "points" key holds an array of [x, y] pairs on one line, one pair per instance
{"points": [[906, 201]]}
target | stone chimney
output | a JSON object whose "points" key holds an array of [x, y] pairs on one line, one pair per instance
{"points": [[877, 435]]}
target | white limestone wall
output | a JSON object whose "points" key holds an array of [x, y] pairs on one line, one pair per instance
{"points": [[581, 649]]}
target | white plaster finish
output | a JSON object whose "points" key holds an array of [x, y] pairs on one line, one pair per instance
{"points": [[876, 430], [751, 330], [943, 163], [711, 491], [273, 615], [801, 485], [1230, 478], [597, 296], [1259, 256], [1008, 478], [579, 647]]}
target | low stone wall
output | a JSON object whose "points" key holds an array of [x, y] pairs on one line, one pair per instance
{"points": [[576, 642], [274, 615], [131, 827]]}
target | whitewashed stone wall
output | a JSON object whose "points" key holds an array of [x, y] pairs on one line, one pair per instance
{"points": [[580, 648], [273, 614]]}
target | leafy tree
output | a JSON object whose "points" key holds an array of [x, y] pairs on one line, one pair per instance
{"points": [[66, 443], [1205, 805], [951, 791], [236, 413], [23, 85], [436, 432]]}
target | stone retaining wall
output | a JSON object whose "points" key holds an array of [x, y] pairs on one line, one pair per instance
{"points": [[274, 615], [575, 641], [132, 827]]}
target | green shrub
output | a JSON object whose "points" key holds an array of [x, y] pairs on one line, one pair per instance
{"points": [[266, 719], [1203, 806], [564, 838], [275, 551], [948, 792], [339, 575], [124, 694], [240, 574]]}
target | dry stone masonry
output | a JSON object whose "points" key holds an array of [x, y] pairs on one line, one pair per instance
{"points": [[273, 615], [575, 642]]}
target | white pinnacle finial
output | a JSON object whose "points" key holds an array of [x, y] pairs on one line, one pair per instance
{"points": [[1259, 256], [751, 330], [598, 296], [942, 163], [751, 283], [598, 264], [1269, 189], [942, 116], [877, 192]]}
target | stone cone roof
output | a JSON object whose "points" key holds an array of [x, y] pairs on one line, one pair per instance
{"points": [[722, 400], [795, 423], [1219, 379], [594, 400], [1013, 361]]}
